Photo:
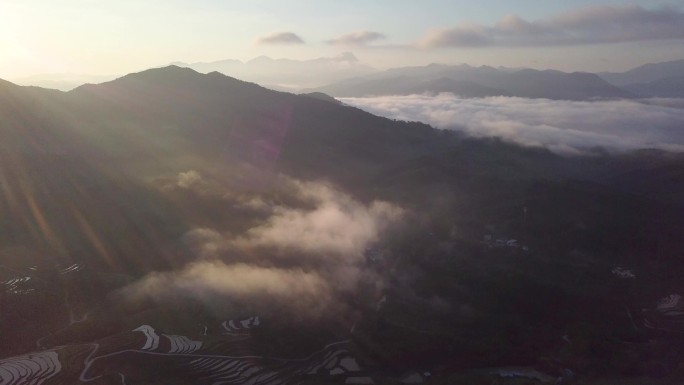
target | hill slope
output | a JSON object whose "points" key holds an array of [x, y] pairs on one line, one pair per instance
{"points": [[220, 230]]}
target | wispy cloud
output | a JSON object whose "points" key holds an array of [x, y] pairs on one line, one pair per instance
{"points": [[562, 126], [188, 179], [216, 283], [588, 25], [280, 38], [302, 257], [357, 38], [337, 224], [467, 35]]}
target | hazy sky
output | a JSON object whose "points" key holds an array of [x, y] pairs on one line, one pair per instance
{"points": [[115, 37]]}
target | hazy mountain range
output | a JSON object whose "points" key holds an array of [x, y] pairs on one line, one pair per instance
{"points": [[345, 76], [287, 74], [281, 74], [155, 216], [482, 81], [651, 80]]}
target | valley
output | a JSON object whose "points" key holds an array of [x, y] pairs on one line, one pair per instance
{"points": [[174, 227]]}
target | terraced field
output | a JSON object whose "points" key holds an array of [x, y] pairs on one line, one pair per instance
{"points": [[18, 285], [145, 353], [30, 369]]}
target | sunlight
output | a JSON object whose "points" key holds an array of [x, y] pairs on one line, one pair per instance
{"points": [[17, 58], [324, 192]]}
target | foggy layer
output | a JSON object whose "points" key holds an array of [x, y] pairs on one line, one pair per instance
{"points": [[568, 127]]}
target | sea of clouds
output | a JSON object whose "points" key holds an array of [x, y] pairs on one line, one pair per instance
{"points": [[568, 127]]}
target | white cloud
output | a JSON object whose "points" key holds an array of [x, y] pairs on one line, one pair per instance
{"points": [[188, 179], [336, 224], [282, 38], [588, 25], [562, 126], [357, 38], [215, 282], [467, 35]]}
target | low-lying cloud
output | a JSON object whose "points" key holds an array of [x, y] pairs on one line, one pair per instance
{"points": [[303, 257], [217, 283], [336, 224], [568, 127], [188, 179], [599, 24]]}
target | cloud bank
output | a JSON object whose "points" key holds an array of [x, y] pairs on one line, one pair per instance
{"points": [[568, 127], [302, 258], [283, 38], [358, 38], [599, 24]]}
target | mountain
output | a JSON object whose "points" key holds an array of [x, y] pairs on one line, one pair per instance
{"points": [[672, 87], [229, 119], [63, 82], [56, 185], [282, 74], [647, 73], [482, 81], [288, 74], [651, 80], [322, 96], [177, 227]]}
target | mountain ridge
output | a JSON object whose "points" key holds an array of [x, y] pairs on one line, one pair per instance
{"points": [[645, 73], [529, 83], [121, 201], [276, 73], [287, 74]]}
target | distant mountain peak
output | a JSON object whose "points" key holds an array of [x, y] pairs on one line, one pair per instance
{"points": [[168, 74], [647, 73], [170, 71], [672, 64], [171, 67], [469, 81], [260, 59]]}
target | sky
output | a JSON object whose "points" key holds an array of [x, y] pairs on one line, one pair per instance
{"points": [[101, 37]]}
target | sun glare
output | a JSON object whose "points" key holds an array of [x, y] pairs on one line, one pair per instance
{"points": [[325, 192], [16, 58]]}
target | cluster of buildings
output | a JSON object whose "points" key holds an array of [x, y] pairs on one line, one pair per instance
{"points": [[491, 241]]}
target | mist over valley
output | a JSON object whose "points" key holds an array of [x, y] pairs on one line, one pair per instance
{"points": [[328, 204]]}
